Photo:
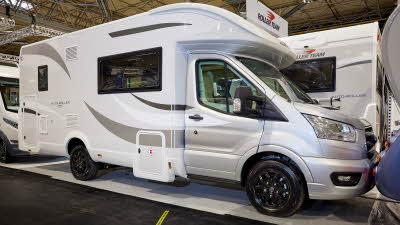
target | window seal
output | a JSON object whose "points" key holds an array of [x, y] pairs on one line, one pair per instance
{"points": [[100, 60]]}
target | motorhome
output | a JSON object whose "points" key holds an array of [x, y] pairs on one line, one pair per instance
{"points": [[9, 88], [194, 91], [342, 69]]}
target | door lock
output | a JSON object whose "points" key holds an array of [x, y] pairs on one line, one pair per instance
{"points": [[139, 150]]}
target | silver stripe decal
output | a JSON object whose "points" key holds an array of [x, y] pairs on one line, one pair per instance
{"points": [[163, 106], [137, 30], [125, 132], [47, 50], [356, 63]]}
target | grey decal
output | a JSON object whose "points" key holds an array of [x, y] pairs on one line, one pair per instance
{"points": [[11, 123], [48, 51], [125, 132], [355, 63], [163, 106], [137, 30], [30, 111]]}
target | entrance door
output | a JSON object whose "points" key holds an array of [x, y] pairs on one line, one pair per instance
{"points": [[216, 137], [29, 123]]}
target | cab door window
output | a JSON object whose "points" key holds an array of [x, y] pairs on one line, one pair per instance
{"points": [[217, 83]]}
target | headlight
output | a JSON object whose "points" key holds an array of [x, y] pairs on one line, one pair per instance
{"points": [[332, 130]]}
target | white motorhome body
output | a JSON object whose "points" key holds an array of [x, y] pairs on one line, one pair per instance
{"points": [[345, 64], [390, 59], [9, 88], [167, 93]]}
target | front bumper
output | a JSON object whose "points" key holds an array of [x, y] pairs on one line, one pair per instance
{"points": [[323, 187]]}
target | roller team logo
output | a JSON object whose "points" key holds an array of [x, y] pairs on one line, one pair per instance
{"points": [[271, 16], [310, 53], [268, 19]]}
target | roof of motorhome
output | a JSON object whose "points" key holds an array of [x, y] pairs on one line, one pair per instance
{"points": [[334, 35], [179, 7], [260, 36]]}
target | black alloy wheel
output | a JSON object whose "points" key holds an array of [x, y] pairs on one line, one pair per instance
{"points": [[275, 189], [82, 166]]}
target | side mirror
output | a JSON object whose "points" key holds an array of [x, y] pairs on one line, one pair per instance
{"points": [[243, 101]]}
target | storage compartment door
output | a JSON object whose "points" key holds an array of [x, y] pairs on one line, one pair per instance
{"points": [[150, 160], [29, 123]]}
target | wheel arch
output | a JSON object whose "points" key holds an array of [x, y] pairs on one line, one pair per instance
{"points": [[272, 152], [75, 138]]}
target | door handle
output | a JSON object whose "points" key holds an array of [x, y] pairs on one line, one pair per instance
{"points": [[196, 117]]}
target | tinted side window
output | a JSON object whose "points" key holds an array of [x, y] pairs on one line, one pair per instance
{"points": [[234, 80], [212, 84], [9, 88], [217, 83], [43, 78], [316, 75], [130, 72]]}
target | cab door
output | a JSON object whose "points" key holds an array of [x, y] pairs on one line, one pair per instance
{"points": [[216, 137]]}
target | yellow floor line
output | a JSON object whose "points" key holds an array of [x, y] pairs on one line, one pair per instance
{"points": [[162, 218]]}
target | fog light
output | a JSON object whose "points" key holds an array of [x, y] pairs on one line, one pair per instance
{"points": [[345, 179]]}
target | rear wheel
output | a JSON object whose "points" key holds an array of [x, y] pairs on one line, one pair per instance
{"points": [[275, 189], [4, 155], [82, 165]]}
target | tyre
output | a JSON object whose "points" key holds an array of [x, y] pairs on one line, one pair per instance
{"points": [[275, 189], [82, 166], [4, 154]]}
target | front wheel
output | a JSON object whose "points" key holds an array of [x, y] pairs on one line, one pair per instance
{"points": [[274, 189], [82, 165]]}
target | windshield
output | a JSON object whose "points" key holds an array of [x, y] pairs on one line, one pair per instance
{"points": [[9, 88], [276, 80]]}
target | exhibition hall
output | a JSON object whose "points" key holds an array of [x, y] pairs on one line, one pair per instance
{"points": [[140, 112]]}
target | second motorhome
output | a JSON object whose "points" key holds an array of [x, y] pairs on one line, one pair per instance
{"points": [[192, 91], [342, 69], [9, 104]]}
